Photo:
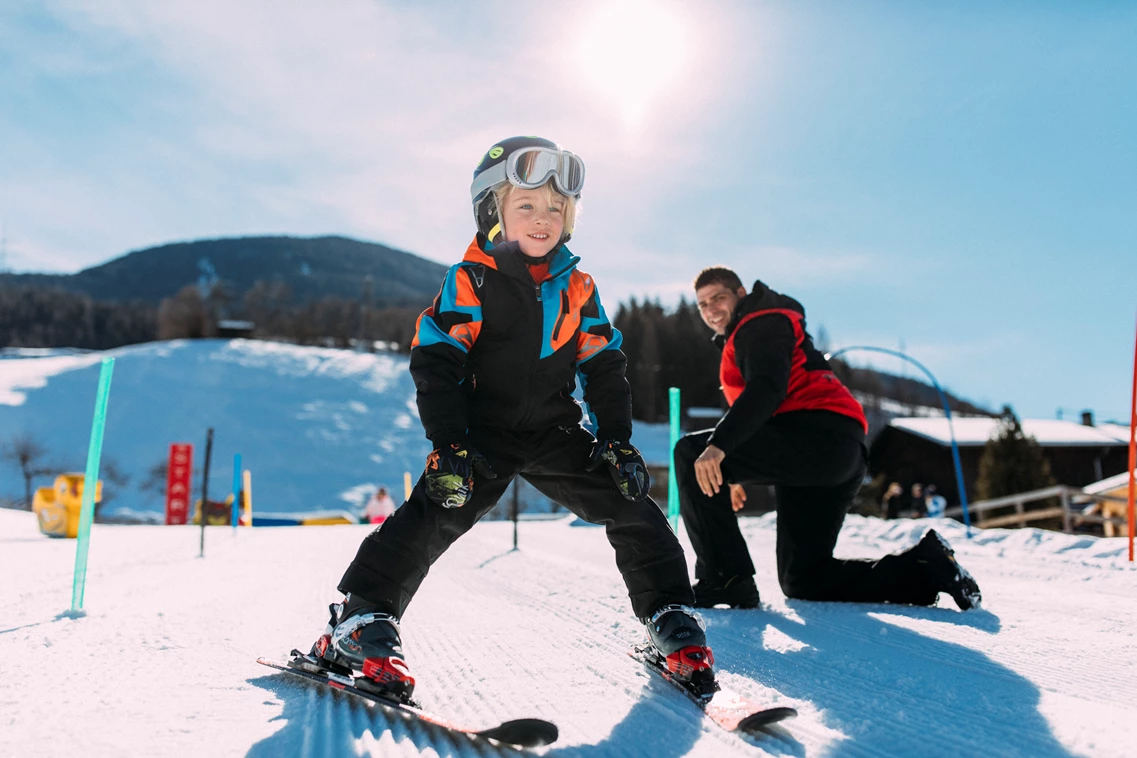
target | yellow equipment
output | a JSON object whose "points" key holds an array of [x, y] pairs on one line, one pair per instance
{"points": [[57, 507]]}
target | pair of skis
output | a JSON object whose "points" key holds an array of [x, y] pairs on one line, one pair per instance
{"points": [[731, 711]]}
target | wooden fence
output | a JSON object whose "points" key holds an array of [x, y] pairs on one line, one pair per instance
{"points": [[1075, 507]]}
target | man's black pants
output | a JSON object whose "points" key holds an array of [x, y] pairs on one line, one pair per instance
{"points": [[816, 473], [394, 559]]}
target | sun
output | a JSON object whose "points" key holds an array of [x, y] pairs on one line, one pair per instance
{"points": [[631, 53]]}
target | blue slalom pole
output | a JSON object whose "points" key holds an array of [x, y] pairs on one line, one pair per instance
{"points": [[947, 414], [672, 485], [236, 489], [90, 485]]}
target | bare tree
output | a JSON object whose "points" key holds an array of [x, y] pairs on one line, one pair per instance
{"points": [[114, 480], [27, 452]]}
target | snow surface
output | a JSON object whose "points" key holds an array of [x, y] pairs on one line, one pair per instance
{"points": [[163, 662]]}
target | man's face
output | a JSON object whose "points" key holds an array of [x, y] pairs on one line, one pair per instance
{"points": [[716, 304]]}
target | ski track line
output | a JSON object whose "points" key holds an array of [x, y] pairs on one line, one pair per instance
{"points": [[334, 724], [495, 653], [620, 670]]}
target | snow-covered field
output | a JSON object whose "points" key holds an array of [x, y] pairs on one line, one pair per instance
{"points": [[319, 428], [164, 661]]}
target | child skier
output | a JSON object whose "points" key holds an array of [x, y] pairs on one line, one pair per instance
{"points": [[495, 361]]}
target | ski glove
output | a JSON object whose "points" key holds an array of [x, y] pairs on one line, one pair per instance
{"points": [[626, 466], [450, 474]]}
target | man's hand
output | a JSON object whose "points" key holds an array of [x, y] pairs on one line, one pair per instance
{"points": [[737, 497], [708, 470]]}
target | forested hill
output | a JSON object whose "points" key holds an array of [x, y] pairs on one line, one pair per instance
{"points": [[312, 268]]}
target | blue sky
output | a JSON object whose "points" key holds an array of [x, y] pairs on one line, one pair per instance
{"points": [[959, 180]]}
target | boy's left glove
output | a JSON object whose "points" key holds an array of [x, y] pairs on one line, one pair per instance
{"points": [[626, 466]]}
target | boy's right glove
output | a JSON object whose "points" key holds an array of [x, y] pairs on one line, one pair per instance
{"points": [[626, 466], [450, 474]]}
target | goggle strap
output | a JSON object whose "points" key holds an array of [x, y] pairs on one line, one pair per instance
{"points": [[487, 180]]}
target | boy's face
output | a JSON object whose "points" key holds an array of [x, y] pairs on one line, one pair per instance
{"points": [[534, 219], [716, 304]]}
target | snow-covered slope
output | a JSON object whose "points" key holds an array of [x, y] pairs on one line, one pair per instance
{"points": [[319, 428], [163, 662]]}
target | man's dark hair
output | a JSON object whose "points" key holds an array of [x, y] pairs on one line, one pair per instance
{"points": [[718, 275]]}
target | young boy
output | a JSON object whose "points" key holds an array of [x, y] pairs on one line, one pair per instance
{"points": [[495, 361]]}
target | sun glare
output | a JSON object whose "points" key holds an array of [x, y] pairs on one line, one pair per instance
{"points": [[632, 52]]}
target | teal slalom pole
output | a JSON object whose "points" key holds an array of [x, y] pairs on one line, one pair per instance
{"points": [[672, 485], [90, 485], [236, 509]]}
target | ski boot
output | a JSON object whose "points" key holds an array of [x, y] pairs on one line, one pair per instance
{"points": [[361, 638], [736, 591], [677, 639], [936, 559]]}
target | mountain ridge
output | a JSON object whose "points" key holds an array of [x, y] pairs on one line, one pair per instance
{"points": [[312, 267]]}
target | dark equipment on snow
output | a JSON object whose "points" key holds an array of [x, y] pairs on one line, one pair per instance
{"points": [[519, 732]]}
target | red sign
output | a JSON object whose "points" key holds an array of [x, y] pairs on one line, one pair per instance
{"points": [[178, 482]]}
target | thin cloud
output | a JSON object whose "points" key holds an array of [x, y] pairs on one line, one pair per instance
{"points": [[360, 118]]}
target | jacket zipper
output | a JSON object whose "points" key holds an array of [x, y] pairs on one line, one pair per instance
{"points": [[564, 313]]}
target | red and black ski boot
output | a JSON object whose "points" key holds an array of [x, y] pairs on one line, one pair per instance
{"points": [[362, 640], [678, 637]]}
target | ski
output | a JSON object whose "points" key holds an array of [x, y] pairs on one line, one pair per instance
{"points": [[730, 710], [518, 732]]}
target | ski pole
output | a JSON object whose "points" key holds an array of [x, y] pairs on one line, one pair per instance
{"points": [[90, 485]]}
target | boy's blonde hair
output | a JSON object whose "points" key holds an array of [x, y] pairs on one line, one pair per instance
{"points": [[502, 192]]}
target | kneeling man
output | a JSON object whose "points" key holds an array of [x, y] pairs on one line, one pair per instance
{"points": [[793, 425]]}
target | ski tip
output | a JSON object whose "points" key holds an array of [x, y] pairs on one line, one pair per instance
{"points": [[764, 718], [524, 732]]}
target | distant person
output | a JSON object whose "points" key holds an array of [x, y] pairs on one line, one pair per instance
{"points": [[379, 507], [914, 503], [934, 503], [791, 424], [495, 361], [893, 499]]}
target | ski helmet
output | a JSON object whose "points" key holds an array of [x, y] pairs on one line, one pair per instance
{"points": [[526, 162]]}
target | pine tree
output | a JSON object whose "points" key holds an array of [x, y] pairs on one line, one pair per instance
{"points": [[1012, 462]]}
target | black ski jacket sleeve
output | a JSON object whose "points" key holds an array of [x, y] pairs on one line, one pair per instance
{"points": [[444, 335], [763, 349]]}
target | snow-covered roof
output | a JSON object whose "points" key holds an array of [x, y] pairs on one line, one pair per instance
{"points": [[1105, 485], [974, 432], [1117, 430]]}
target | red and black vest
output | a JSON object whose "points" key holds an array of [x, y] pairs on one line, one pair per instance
{"points": [[809, 389]]}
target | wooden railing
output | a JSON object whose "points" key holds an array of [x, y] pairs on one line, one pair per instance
{"points": [[1069, 499]]}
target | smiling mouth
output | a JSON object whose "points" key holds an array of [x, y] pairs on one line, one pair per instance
{"points": [[539, 236]]}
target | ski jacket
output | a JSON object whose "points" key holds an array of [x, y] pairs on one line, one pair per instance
{"points": [[770, 367], [498, 349]]}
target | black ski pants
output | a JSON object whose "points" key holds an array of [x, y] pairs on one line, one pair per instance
{"points": [[816, 473], [394, 559]]}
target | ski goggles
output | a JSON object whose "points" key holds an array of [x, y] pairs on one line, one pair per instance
{"points": [[531, 167]]}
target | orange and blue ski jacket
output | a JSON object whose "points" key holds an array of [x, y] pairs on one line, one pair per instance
{"points": [[498, 349]]}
